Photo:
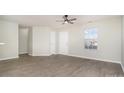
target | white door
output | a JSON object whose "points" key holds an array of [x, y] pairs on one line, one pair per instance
{"points": [[52, 42], [63, 42]]}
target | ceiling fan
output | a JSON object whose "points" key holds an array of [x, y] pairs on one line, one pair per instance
{"points": [[66, 20]]}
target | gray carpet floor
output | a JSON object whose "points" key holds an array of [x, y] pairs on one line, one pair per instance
{"points": [[58, 66]]}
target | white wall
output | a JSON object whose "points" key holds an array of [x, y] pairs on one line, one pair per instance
{"points": [[30, 41], [9, 36], [23, 40], [109, 40], [123, 42], [41, 41]]}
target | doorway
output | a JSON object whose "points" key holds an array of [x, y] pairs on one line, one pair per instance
{"points": [[23, 41]]}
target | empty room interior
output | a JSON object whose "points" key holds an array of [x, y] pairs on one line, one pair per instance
{"points": [[61, 46]]}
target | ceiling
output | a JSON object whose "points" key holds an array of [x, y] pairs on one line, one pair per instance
{"points": [[50, 20]]}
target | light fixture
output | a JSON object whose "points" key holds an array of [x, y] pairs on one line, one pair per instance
{"points": [[65, 22]]}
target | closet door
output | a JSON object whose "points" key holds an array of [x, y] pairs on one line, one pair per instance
{"points": [[63, 42], [52, 42]]}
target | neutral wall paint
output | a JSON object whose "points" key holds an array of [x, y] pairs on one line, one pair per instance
{"points": [[41, 41], [122, 42], [30, 41], [109, 40], [23, 40], [9, 36]]}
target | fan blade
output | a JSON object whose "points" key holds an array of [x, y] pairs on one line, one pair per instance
{"points": [[63, 23], [70, 22], [72, 19], [59, 21]]}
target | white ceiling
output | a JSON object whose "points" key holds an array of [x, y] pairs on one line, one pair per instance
{"points": [[49, 20]]}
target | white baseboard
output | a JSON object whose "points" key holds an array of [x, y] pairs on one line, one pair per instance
{"points": [[94, 58], [41, 55], [122, 67], [23, 53], [9, 58], [30, 54]]}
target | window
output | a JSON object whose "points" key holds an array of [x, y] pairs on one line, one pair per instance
{"points": [[91, 38]]}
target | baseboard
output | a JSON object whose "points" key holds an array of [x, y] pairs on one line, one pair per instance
{"points": [[122, 67], [30, 54], [23, 53], [9, 58], [41, 55], [94, 58]]}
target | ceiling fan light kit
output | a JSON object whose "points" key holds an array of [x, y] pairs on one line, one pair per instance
{"points": [[66, 20]]}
